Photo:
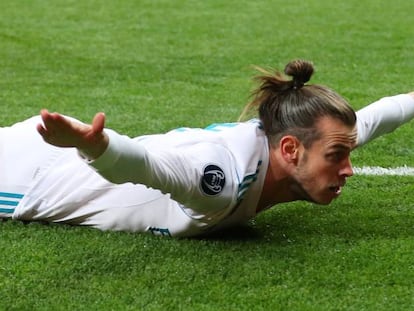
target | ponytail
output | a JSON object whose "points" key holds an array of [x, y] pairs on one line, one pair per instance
{"points": [[286, 104]]}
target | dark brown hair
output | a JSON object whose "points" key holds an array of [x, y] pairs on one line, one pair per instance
{"points": [[292, 107]]}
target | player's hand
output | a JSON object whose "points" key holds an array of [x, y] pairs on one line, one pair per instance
{"points": [[89, 139]]}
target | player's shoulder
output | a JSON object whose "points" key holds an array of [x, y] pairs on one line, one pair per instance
{"points": [[247, 125], [217, 133]]}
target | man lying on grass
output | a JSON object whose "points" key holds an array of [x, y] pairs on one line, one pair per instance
{"points": [[189, 182]]}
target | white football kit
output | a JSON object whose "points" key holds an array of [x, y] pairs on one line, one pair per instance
{"points": [[183, 183]]}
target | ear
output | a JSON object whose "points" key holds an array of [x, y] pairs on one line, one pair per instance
{"points": [[289, 148]]}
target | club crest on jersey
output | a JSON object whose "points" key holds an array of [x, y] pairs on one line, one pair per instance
{"points": [[213, 180]]}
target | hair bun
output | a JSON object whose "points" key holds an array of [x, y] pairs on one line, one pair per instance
{"points": [[300, 71]]}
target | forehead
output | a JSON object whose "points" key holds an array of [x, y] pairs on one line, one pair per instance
{"points": [[334, 131]]}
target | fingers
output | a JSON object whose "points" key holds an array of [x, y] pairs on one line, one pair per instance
{"points": [[50, 120], [61, 131], [41, 128], [98, 123], [48, 117]]}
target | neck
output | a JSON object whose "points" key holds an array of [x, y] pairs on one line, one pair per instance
{"points": [[277, 187]]}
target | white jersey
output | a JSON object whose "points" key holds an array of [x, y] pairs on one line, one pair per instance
{"points": [[183, 183], [197, 180], [383, 116], [216, 173]]}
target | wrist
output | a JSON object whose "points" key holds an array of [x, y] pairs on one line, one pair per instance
{"points": [[93, 150]]}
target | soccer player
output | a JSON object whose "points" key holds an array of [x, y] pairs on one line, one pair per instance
{"points": [[189, 182]]}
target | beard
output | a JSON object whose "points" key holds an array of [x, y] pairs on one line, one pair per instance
{"points": [[300, 179], [300, 194]]}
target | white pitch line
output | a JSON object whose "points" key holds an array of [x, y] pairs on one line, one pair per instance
{"points": [[390, 171]]}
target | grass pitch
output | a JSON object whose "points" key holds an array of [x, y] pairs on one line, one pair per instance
{"points": [[156, 65]]}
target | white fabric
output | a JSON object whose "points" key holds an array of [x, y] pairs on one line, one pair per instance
{"points": [[175, 163], [383, 116], [60, 187], [207, 178]]}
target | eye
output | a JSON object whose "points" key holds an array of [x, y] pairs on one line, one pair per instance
{"points": [[336, 156]]}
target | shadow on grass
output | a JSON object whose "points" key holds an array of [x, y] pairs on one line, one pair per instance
{"points": [[285, 224], [238, 233], [303, 222], [345, 221]]}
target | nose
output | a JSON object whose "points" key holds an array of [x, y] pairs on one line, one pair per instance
{"points": [[346, 168]]}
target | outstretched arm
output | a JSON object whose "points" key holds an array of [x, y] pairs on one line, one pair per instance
{"points": [[384, 116], [60, 131]]}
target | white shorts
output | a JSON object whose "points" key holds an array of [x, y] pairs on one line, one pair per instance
{"points": [[39, 182]]}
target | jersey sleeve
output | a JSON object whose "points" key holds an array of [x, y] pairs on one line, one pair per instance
{"points": [[196, 175], [383, 116]]}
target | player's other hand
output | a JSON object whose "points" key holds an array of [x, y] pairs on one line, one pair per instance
{"points": [[89, 139]]}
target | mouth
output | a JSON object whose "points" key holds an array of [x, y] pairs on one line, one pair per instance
{"points": [[337, 189]]}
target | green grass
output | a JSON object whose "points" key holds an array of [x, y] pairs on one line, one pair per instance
{"points": [[156, 65]]}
